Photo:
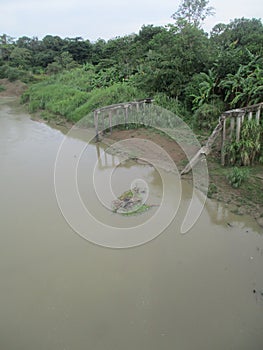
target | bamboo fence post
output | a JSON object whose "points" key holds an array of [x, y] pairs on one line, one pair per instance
{"points": [[103, 124], [96, 122], [223, 142], [98, 155], [232, 127], [110, 118], [238, 127], [126, 114]]}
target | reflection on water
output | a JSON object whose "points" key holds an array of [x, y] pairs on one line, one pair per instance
{"points": [[58, 291]]}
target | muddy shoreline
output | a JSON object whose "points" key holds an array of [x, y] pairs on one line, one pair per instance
{"points": [[240, 201]]}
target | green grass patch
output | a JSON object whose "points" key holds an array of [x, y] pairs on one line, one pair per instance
{"points": [[58, 97], [140, 210], [117, 93], [55, 98]]}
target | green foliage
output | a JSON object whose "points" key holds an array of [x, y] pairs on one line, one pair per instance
{"points": [[239, 34], [2, 88], [13, 73], [248, 149], [212, 189], [56, 98], [21, 57], [193, 12], [186, 71], [117, 93], [205, 89], [61, 62], [171, 104], [245, 87], [206, 116], [72, 103], [140, 209], [237, 176], [171, 61]]}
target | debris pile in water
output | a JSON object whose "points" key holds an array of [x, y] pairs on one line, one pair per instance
{"points": [[131, 202]]}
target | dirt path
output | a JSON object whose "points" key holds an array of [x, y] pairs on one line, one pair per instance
{"points": [[12, 89]]}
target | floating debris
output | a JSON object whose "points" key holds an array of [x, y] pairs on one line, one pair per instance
{"points": [[131, 202]]}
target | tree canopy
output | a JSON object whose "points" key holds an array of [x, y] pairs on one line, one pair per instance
{"points": [[193, 12], [185, 68]]}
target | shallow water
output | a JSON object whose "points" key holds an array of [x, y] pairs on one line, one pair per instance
{"points": [[59, 291]]}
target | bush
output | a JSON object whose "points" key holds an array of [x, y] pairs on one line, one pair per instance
{"points": [[56, 98], [237, 176], [72, 103], [13, 73], [206, 116], [248, 149], [171, 104], [117, 93]]}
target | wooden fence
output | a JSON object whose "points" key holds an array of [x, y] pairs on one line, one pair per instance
{"points": [[229, 125], [107, 112]]}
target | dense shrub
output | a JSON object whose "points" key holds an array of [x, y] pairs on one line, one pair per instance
{"points": [[248, 149], [72, 103], [13, 73], [237, 176], [117, 93], [56, 98], [206, 116]]}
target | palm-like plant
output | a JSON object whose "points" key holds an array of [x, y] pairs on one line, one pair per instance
{"points": [[246, 86], [248, 148], [206, 88]]}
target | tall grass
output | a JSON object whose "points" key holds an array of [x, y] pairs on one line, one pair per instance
{"points": [[117, 93], [56, 98], [62, 95]]}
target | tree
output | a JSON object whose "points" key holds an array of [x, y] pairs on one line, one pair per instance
{"points": [[240, 33], [80, 50], [6, 46], [192, 12], [206, 88], [245, 87], [172, 60], [62, 61], [21, 58]]}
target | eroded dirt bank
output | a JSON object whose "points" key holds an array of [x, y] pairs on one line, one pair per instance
{"points": [[248, 199]]}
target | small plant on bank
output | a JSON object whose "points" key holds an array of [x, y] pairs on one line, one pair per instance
{"points": [[237, 176], [212, 189]]}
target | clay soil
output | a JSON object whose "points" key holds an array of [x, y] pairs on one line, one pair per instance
{"points": [[248, 199], [12, 89]]}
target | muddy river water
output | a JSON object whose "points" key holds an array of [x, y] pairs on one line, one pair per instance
{"points": [[199, 291]]}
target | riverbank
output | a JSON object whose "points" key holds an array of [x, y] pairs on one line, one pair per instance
{"points": [[248, 199]]}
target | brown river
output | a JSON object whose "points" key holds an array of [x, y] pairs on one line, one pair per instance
{"points": [[201, 290]]}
